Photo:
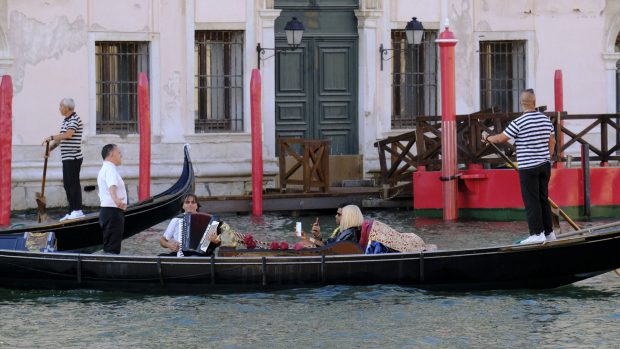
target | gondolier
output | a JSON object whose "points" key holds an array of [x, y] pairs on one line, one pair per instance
{"points": [[70, 141], [535, 142]]}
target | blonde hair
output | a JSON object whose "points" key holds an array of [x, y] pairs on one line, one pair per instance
{"points": [[351, 217]]}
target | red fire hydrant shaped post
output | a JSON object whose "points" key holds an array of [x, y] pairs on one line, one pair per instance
{"points": [[446, 43]]}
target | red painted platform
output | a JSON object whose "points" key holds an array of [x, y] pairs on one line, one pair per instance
{"points": [[498, 189]]}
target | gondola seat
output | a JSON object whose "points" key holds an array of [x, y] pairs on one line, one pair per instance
{"points": [[29, 241], [366, 226]]}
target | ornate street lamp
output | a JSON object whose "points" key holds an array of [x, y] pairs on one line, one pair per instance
{"points": [[414, 32], [294, 30]]}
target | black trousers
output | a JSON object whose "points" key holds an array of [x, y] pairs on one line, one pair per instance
{"points": [[112, 223], [535, 193], [71, 181]]}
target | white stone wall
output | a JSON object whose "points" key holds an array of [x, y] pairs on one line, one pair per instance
{"points": [[47, 46]]}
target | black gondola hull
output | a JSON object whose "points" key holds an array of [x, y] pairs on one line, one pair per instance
{"points": [[508, 267], [84, 234]]}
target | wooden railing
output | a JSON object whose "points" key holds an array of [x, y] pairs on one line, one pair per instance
{"points": [[602, 122], [398, 159], [311, 156]]}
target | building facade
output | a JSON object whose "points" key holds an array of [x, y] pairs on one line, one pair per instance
{"points": [[337, 85]]}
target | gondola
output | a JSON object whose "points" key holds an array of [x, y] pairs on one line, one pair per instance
{"points": [[84, 234], [574, 257]]}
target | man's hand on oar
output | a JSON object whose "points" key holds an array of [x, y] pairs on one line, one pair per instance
{"points": [[494, 139]]}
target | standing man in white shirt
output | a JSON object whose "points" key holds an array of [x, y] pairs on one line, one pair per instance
{"points": [[113, 197]]}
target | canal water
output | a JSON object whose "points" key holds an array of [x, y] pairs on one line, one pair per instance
{"points": [[582, 315]]}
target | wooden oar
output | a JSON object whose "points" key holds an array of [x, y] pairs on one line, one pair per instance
{"points": [[41, 211], [553, 204]]}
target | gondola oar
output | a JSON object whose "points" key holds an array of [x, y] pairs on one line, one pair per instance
{"points": [[41, 211], [553, 204]]}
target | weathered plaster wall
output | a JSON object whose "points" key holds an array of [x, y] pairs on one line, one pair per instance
{"points": [[51, 43], [173, 65], [216, 11]]}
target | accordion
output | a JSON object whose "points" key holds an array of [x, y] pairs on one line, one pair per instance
{"points": [[195, 227]]}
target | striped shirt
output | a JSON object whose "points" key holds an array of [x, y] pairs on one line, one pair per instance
{"points": [[531, 132], [71, 149]]}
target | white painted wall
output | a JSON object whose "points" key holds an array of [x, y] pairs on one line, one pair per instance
{"points": [[50, 54]]}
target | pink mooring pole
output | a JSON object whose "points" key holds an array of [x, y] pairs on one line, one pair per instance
{"points": [[559, 106], [446, 43], [257, 144], [144, 119], [6, 139]]}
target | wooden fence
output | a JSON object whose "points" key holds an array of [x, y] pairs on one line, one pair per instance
{"points": [[398, 159], [308, 155]]}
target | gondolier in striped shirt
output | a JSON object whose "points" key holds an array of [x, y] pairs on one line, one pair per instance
{"points": [[535, 141], [70, 141]]}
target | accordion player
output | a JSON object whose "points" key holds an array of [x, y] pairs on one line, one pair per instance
{"points": [[195, 228]]}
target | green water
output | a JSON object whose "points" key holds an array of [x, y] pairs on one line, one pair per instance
{"points": [[583, 315]]}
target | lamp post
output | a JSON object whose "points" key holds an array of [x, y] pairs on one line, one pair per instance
{"points": [[414, 32], [294, 31]]}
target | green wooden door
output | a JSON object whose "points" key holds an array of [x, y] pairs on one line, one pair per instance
{"points": [[316, 92], [317, 84]]}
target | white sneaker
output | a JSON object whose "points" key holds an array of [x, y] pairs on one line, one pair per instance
{"points": [[73, 215], [533, 239], [78, 213], [551, 236], [65, 217]]}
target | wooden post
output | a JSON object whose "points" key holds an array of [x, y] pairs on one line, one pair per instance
{"points": [[559, 107], [585, 167], [144, 118], [446, 43], [257, 143], [6, 140]]}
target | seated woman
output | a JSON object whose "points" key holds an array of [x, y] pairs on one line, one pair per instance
{"points": [[171, 237], [350, 229]]}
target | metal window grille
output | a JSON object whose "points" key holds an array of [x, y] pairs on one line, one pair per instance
{"points": [[118, 65], [414, 79], [502, 74], [219, 81]]}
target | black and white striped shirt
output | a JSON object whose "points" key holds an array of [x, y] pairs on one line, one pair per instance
{"points": [[71, 149], [531, 132]]}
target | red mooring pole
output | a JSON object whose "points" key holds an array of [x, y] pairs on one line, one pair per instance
{"points": [[257, 144], [144, 119], [559, 106], [6, 140], [446, 43]]}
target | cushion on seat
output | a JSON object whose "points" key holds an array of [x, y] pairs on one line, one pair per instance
{"points": [[366, 226]]}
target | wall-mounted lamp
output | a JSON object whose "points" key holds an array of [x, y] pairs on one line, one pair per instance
{"points": [[414, 31], [294, 30]]}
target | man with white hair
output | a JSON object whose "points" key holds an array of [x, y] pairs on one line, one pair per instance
{"points": [[70, 141]]}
